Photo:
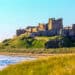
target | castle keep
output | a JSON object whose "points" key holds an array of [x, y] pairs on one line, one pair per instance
{"points": [[55, 24]]}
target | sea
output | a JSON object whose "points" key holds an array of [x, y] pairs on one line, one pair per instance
{"points": [[8, 60]]}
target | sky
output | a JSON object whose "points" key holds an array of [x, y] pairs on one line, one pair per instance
{"points": [[15, 14]]}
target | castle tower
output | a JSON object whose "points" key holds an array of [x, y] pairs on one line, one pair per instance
{"points": [[73, 28], [51, 23], [58, 24]]}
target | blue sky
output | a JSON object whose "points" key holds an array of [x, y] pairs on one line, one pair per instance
{"points": [[16, 14]]}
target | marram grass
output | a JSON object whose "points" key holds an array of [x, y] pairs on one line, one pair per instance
{"points": [[52, 65]]}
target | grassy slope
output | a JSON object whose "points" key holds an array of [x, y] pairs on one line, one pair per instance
{"points": [[24, 42], [53, 65]]}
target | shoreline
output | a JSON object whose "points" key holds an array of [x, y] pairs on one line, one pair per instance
{"points": [[34, 55]]}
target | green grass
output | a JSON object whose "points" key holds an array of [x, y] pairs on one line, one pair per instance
{"points": [[24, 42], [53, 65], [37, 45], [46, 38]]}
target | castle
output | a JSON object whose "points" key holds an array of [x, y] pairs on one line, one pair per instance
{"points": [[52, 28]]}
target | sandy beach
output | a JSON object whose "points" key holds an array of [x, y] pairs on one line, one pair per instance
{"points": [[34, 55]]}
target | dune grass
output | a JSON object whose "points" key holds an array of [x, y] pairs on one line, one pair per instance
{"points": [[52, 65]]}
